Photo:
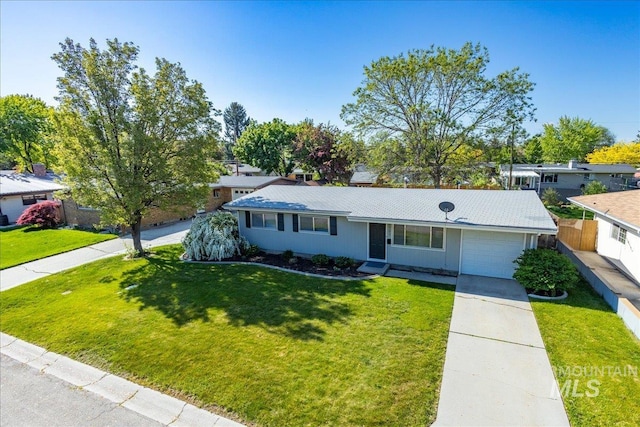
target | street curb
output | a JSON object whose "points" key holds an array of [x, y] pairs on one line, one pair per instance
{"points": [[145, 401]]}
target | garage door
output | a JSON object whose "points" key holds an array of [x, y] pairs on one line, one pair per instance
{"points": [[490, 254]]}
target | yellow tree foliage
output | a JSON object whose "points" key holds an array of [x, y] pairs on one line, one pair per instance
{"points": [[619, 153]]}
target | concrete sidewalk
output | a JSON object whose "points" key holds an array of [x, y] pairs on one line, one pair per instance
{"points": [[102, 387], [24, 273], [496, 370]]}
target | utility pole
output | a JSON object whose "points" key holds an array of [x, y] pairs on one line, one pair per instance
{"points": [[513, 129]]}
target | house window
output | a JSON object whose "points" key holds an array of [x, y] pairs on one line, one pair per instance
{"points": [[549, 177], [618, 233], [216, 194], [264, 220], [32, 199], [317, 224], [418, 236]]}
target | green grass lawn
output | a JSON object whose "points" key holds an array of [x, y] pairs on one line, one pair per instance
{"points": [[24, 244], [271, 348], [570, 212], [583, 332]]}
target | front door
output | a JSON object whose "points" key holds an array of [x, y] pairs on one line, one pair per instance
{"points": [[377, 241]]}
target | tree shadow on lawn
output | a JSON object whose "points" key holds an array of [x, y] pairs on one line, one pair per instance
{"points": [[294, 305]]}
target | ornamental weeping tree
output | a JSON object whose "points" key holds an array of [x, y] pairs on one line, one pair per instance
{"points": [[429, 103], [131, 141]]}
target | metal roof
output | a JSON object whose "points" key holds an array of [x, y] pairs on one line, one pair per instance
{"points": [[473, 208], [13, 183], [242, 181], [363, 177], [520, 173], [623, 206]]}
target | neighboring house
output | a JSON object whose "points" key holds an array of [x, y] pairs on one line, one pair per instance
{"points": [[300, 175], [485, 232], [363, 179], [240, 169], [568, 179], [18, 191], [232, 187], [618, 216]]}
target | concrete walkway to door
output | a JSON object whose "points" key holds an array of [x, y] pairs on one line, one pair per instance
{"points": [[496, 370]]}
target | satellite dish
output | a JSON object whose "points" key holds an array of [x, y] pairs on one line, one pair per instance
{"points": [[446, 207]]}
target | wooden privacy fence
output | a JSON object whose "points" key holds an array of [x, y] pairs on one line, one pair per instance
{"points": [[579, 234]]}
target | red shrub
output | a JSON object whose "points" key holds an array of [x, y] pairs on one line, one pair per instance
{"points": [[43, 215]]}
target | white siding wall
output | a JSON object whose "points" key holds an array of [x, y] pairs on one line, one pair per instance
{"points": [[628, 253], [12, 206]]}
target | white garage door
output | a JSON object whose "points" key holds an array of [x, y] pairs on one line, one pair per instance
{"points": [[490, 254]]}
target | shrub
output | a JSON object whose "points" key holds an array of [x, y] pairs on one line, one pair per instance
{"points": [[320, 260], [287, 255], [213, 237], [545, 270], [550, 197], [344, 262], [251, 250], [43, 215], [594, 187]]}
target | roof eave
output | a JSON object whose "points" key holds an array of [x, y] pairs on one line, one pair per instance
{"points": [[605, 215]]}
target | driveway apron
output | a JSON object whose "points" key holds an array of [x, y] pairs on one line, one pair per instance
{"points": [[496, 370]]}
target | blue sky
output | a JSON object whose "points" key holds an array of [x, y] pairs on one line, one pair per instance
{"points": [[304, 59]]}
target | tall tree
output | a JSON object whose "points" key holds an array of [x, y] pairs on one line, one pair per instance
{"points": [[326, 150], [235, 122], [268, 146], [132, 141], [25, 130], [572, 138], [432, 102], [619, 153], [533, 150]]}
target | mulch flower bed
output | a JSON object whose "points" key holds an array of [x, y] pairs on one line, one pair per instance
{"points": [[300, 264]]}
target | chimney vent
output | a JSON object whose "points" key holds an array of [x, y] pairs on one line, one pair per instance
{"points": [[573, 164], [39, 170]]}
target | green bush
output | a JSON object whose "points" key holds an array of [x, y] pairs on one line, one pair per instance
{"points": [[550, 197], [287, 255], [594, 187], [252, 250], [344, 262], [545, 270], [320, 260]]}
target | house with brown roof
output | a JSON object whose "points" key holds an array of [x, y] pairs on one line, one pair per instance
{"points": [[618, 216]]}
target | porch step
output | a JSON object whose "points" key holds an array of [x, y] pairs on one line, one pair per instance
{"points": [[373, 267]]}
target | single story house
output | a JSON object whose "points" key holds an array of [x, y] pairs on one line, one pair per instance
{"points": [[568, 179], [242, 169], [482, 235], [18, 191], [618, 216], [232, 187], [363, 178]]}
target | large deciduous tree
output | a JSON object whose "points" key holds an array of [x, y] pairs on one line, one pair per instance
{"points": [[132, 141], [429, 103], [326, 150], [25, 130], [268, 146], [620, 153], [235, 122], [572, 138]]}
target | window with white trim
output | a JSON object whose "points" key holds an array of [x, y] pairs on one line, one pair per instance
{"points": [[418, 236], [549, 177], [216, 194], [264, 220], [618, 233], [32, 199], [317, 224]]}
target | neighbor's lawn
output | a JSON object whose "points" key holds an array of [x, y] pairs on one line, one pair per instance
{"points": [[273, 348], [20, 245], [583, 332], [570, 212]]}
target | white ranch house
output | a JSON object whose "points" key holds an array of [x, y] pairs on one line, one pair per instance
{"points": [[485, 232]]}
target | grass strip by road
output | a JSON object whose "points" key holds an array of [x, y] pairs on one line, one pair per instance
{"points": [[595, 357], [272, 348], [25, 244]]}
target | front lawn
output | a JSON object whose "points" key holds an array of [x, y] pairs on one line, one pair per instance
{"points": [[270, 347], [24, 244], [595, 357]]}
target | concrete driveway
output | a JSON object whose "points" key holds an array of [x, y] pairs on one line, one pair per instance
{"points": [[496, 370]]}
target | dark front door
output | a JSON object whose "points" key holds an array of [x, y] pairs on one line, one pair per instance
{"points": [[377, 241]]}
